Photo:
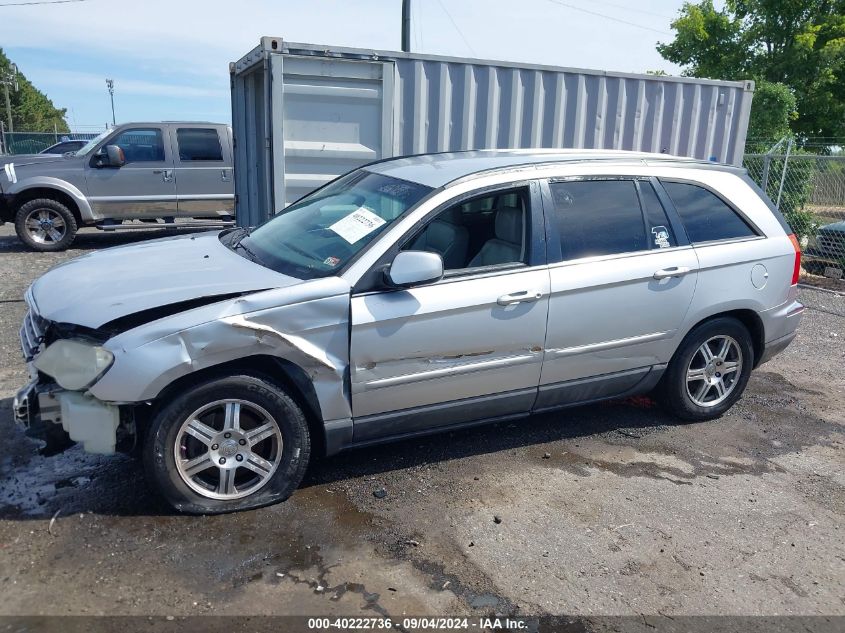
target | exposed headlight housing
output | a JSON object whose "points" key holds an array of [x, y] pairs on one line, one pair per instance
{"points": [[74, 364]]}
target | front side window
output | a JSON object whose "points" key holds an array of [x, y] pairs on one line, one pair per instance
{"points": [[198, 144], [488, 230], [598, 217], [90, 145], [705, 215], [140, 145], [319, 234]]}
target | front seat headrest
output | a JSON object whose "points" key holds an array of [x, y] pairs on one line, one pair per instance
{"points": [[509, 225]]}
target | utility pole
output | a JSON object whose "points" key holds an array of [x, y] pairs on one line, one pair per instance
{"points": [[406, 26], [9, 79], [110, 86]]}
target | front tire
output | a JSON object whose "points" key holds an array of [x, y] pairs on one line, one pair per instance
{"points": [[45, 225], [230, 443], [709, 371]]}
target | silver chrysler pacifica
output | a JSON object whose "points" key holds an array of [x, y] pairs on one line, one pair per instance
{"points": [[411, 296]]}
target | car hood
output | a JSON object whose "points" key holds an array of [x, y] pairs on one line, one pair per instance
{"points": [[836, 227], [100, 287], [25, 160]]}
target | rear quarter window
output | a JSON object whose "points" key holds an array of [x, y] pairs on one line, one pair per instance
{"points": [[706, 217]]}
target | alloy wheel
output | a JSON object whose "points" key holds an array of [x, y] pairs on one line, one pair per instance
{"points": [[228, 449], [45, 226], [714, 370]]}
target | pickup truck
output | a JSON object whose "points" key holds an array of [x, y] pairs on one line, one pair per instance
{"points": [[153, 172]]}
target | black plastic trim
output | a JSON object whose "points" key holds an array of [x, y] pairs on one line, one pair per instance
{"points": [[431, 417], [595, 388], [461, 414]]}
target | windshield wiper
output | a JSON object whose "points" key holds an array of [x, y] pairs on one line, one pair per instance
{"points": [[239, 234], [251, 254], [236, 243]]}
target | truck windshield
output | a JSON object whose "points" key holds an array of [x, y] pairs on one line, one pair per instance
{"points": [[92, 143], [317, 235]]}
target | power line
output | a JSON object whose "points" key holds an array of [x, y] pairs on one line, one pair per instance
{"points": [[35, 2], [634, 9], [457, 28], [610, 17], [415, 27]]}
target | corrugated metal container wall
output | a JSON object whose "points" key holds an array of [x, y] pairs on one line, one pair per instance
{"points": [[332, 109]]}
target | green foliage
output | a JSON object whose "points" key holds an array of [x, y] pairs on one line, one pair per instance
{"points": [[772, 110], [707, 43], [797, 185], [797, 43], [31, 109]]}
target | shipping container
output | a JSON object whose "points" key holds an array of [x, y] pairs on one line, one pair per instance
{"points": [[303, 114]]}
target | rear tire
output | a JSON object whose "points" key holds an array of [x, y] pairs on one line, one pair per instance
{"points": [[45, 225], [228, 444], [709, 371]]}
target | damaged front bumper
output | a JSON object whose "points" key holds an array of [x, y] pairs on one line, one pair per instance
{"points": [[39, 408], [55, 415]]}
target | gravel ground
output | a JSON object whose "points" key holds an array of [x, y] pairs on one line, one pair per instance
{"points": [[612, 509]]}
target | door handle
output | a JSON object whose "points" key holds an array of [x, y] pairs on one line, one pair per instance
{"points": [[674, 271], [523, 296], [224, 175]]}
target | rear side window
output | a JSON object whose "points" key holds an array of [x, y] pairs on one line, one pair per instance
{"points": [[660, 233], [598, 217], [198, 144], [705, 215]]}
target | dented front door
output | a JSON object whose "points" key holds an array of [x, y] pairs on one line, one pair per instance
{"points": [[449, 352]]}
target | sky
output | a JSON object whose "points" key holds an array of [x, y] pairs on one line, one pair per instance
{"points": [[169, 58]]}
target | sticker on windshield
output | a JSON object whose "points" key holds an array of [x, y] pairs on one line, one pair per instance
{"points": [[357, 224], [661, 236], [331, 261]]}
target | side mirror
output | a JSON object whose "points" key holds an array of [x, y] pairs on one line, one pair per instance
{"points": [[414, 267], [115, 156]]}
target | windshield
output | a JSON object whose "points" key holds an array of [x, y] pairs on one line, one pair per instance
{"points": [[92, 143], [317, 235]]}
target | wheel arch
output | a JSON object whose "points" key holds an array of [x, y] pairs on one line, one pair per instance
{"points": [[49, 187], [752, 322], [285, 374], [58, 195]]}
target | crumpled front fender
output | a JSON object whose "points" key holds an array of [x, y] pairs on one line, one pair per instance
{"points": [[312, 334]]}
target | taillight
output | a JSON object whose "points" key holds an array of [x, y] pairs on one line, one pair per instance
{"points": [[796, 272]]}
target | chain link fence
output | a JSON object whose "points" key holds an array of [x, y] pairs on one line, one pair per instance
{"points": [[35, 142], [808, 185]]}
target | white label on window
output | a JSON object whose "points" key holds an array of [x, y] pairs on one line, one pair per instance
{"points": [[357, 224], [661, 236]]}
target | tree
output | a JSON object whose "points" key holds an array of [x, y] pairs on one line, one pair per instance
{"points": [[32, 111], [772, 111], [799, 44]]}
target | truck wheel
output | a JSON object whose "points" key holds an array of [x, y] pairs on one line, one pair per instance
{"points": [[45, 225], [228, 444], [709, 371]]}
